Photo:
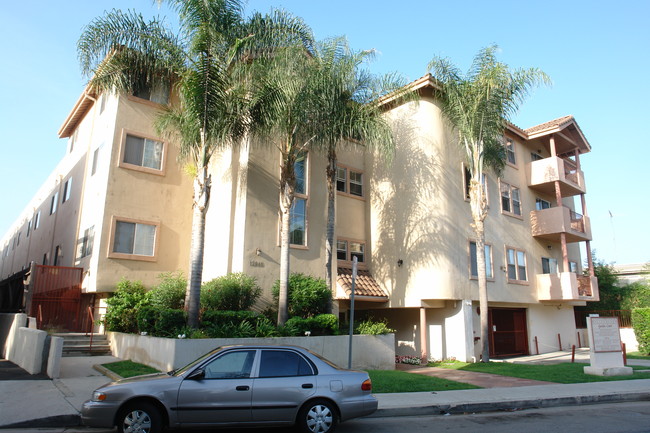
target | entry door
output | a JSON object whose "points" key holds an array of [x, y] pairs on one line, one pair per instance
{"points": [[508, 334]]}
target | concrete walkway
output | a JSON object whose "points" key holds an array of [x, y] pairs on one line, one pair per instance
{"points": [[34, 402]]}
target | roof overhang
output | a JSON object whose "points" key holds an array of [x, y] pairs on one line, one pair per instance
{"points": [[80, 109], [366, 287]]}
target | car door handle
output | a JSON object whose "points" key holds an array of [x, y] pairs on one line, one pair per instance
{"points": [[307, 385], [243, 388]]}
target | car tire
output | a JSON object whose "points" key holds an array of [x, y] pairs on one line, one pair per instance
{"points": [[139, 417], [317, 416]]}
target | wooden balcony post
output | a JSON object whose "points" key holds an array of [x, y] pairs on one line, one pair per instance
{"points": [[423, 335]]}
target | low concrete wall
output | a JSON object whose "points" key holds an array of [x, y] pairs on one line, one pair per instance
{"points": [[369, 352], [28, 350]]}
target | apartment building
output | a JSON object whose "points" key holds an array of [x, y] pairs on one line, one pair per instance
{"points": [[407, 222]]}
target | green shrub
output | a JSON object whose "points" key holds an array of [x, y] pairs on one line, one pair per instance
{"points": [[323, 324], [243, 329], [170, 323], [169, 293], [641, 324], [308, 296], [123, 306], [217, 318], [371, 327], [236, 292], [147, 317]]}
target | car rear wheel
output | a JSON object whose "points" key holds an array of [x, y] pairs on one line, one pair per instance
{"points": [[140, 417], [317, 416]]}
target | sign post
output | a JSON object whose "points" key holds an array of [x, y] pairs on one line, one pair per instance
{"points": [[354, 279]]}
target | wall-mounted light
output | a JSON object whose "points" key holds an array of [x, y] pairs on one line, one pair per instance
{"points": [[400, 262], [258, 252], [503, 268], [550, 247]]}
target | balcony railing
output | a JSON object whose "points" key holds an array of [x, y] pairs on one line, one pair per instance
{"points": [[545, 172], [567, 286], [552, 222]]}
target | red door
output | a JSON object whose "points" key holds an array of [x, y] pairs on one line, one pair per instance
{"points": [[508, 334]]}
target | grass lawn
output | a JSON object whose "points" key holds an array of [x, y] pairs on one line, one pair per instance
{"points": [[559, 373], [637, 355], [129, 368], [401, 381]]}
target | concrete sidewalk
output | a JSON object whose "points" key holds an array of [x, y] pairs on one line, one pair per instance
{"points": [[28, 403]]}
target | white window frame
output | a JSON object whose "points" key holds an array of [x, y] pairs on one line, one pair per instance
{"points": [[513, 262], [489, 263], [146, 138], [550, 266], [302, 198], [539, 204], [362, 257], [349, 182], [511, 153], [132, 256], [54, 203], [67, 190], [505, 187]]}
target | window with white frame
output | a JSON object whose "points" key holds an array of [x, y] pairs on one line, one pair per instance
{"points": [[534, 156], [516, 262], [54, 203], [549, 265], [573, 267], [347, 250], [143, 152], [510, 199], [473, 261], [93, 168], [134, 238], [298, 212], [349, 181], [37, 220], [67, 190], [29, 228], [87, 242], [511, 157], [541, 204]]}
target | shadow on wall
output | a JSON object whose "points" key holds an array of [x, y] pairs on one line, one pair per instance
{"points": [[410, 225]]}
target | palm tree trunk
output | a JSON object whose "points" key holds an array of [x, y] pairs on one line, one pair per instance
{"points": [[283, 299], [331, 221], [193, 292], [478, 205]]}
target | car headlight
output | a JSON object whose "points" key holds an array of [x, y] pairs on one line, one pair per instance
{"points": [[98, 396]]}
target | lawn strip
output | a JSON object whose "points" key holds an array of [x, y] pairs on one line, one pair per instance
{"points": [[384, 381]]}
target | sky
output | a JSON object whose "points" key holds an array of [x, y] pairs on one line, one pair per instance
{"points": [[596, 52]]}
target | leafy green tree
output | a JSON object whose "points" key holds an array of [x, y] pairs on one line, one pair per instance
{"points": [[123, 306], [478, 105], [207, 64], [307, 296]]}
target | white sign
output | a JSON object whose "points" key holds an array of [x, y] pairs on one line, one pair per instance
{"points": [[606, 334]]}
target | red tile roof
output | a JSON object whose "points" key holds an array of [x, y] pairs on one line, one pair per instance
{"points": [[552, 124], [365, 284]]}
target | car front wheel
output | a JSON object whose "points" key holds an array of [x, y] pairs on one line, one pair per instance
{"points": [[317, 416], [142, 417]]}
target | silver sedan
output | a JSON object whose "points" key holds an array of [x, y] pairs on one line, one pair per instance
{"points": [[236, 386]]}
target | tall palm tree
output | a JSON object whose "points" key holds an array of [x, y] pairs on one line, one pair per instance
{"points": [[206, 63], [479, 104], [349, 116]]}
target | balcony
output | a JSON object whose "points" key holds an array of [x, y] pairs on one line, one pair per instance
{"points": [[567, 286], [550, 223], [544, 172]]}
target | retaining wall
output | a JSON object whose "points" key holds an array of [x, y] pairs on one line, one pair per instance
{"points": [[369, 352]]}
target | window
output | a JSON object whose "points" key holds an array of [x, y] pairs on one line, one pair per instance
{"points": [[54, 203], [37, 220], [231, 365], [18, 239], [29, 228], [535, 156], [87, 242], [473, 261], [510, 152], [102, 103], [45, 259], [349, 181], [510, 201], [341, 179], [67, 190], [58, 253], [158, 93], [134, 238], [347, 250], [73, 139], [143, 152], [549, 266], [541, 204], [93, 170], [282, 363], [516, 260], [468, 180], [573, 267], [298, 213]]}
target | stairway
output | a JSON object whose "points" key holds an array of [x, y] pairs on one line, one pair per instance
{"points": [[78, 344]]}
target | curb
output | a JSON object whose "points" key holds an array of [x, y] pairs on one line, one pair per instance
{"points": [[454, 409], [106, 372]]}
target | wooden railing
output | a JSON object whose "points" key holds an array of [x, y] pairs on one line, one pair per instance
{"points": [[624, 317]]}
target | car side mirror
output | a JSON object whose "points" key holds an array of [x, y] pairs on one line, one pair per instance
{"points": [[198, 374]]}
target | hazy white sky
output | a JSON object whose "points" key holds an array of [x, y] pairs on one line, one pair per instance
{"points": [[597, 53]]}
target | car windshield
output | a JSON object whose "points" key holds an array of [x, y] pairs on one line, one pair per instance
{"points": [[180, 371]]}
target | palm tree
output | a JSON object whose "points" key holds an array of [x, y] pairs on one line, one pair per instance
{"points": [[206, 63], [479, 104], [349, 116]]}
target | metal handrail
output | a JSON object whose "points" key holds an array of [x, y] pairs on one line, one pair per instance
{"points": [[91, 324]]}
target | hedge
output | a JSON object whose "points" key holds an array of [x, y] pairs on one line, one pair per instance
{"points": [[641, 324]]}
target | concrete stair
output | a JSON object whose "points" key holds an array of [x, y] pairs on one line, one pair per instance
{"points": [[78, 344]]}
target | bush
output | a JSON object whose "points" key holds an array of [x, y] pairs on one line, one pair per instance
{"points": [[123, 306], [308, 296], [147, 317], [235, 292], [641, 324], [323, 324], [169, 293], [170, 323], [372, 327]]}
